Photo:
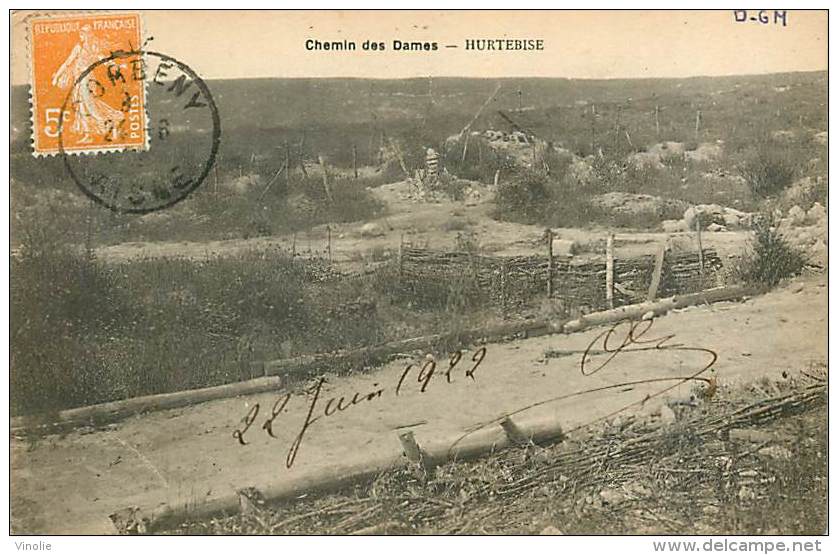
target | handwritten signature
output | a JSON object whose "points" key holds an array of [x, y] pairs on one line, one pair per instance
{"points": [[633, 340], [337, 405], [622, 337]]}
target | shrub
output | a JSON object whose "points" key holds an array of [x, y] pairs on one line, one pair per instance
{"points": [[448, 185], [62, 305], [770, 257], [523, 195], [768, 172]]}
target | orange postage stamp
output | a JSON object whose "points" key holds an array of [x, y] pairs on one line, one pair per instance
{"points": [[84, 99]]}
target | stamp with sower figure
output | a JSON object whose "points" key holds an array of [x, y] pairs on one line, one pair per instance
{"points": [[102, 109], [97, 90]]}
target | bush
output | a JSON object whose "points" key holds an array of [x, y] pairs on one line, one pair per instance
{"points": [[768, 172], [448, 185], [84, 332], [524, 195], [62, 305], [770, 257]]}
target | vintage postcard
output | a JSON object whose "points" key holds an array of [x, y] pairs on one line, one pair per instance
{"points": [[420, 272]]}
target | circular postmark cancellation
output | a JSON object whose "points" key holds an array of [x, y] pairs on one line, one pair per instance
{"points": [[172, 108]]}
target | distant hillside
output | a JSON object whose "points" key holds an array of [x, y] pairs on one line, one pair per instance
{"points": [[295, 103], [330, 115]]}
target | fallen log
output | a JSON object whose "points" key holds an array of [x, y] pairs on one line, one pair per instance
{"points": [[116, 410], [478, 444], [658, 308], [379, 353]]}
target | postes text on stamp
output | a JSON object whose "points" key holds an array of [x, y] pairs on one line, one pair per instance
{"points": [[104, 109]]}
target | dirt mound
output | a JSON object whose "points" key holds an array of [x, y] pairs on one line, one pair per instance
{"points": [[705, 152], [243, 184], [656, 155], [713, 217], [617, 202], [803, 193]]}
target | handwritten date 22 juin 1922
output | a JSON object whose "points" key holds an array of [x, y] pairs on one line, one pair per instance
{"points": [[337, 405]]}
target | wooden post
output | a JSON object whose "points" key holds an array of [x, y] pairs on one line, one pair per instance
{"points": [[325, 177], [251, 501], [616, 141], [215, 174], [503, 288], [381, 148], [697, 123], [287, 162], [657, 272], [465, 150], [411, 449], [549, 263], [302, 161], [329, 243], [398, 150], [401, 256], [657, 122], [497, 177], [515, 434], [628, 138], [609, 270], [593, 129], [270, 183], [355, 161], [700, 248], [294, 245]]}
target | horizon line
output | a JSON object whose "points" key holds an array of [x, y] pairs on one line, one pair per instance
{"points": [[508, 77]]}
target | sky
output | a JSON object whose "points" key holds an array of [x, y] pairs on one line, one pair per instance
{"points": [[577, 44]]}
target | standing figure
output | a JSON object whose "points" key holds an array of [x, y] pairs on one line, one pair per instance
{"points": [[91, 113]]}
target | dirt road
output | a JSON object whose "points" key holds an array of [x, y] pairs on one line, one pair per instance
{"points": [[71, 483]]}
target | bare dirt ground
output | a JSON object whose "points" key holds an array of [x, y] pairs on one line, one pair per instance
{"points": [[71, 483], [432, 225]]}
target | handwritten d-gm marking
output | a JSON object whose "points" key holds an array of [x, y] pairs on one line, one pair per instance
{"points": [[763, 17]]}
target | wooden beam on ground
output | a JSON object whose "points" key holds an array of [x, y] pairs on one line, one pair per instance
{"points": [[657, 272], [658, 308], [116, 410]]}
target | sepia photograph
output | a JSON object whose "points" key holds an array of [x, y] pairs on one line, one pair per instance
{"points": [[420, 272]]}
